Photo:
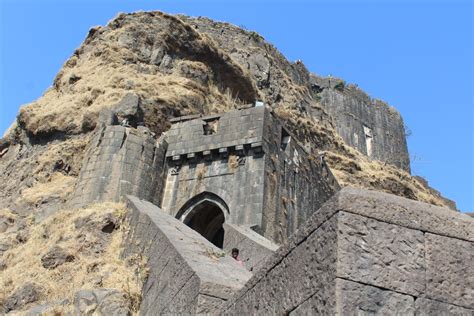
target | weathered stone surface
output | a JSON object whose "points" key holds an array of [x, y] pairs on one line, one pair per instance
{"points": [[371, 126], [44, 308], [426, 307], [5, 223], [107, 118], [380, 254], [377, 263], [353, 298], [56, 256], [404, 212], [450, 270], [23, 295], [253, 248], [120, 161], [39, 310], [282, 286], [183, 265], [101, 302]]}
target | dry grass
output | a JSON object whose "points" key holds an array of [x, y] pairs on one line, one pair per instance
{"points": [[7, 214], [88, 270], [70, 153], [104, 71], [59, 185]]}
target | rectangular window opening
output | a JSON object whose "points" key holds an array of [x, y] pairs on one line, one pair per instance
{"points": [[285, 139], [210, 126]]}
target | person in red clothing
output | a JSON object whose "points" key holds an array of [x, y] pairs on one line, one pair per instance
{"points": [[235, 255]]}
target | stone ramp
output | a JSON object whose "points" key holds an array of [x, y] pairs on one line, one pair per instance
{"points": [[368, 252], [120, 161], [254, 249], [187, 274]]}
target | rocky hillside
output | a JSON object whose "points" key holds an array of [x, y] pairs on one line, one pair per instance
{"points": [[174, 65]]}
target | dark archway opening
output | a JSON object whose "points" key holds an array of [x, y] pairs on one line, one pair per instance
{"points": [[207, 218]]}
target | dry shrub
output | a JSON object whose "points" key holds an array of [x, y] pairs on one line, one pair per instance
{"points": [[233, 162], [94, 265], [59, 185], [201, 172]]}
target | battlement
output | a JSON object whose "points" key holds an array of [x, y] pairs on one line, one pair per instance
{"points": [[194, 135]]}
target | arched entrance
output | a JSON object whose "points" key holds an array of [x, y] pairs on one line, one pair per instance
{"points": [[205, 214]]}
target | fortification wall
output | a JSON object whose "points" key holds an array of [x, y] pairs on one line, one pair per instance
{"points": [[247, 159], [226, 161], [296, 183], [370, 252], [120, 161], [186, 273], [254, 248], [371, 126]]}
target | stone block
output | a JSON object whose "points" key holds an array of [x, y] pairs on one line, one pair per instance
{"points": [[404, 212], [351, 258], [380, 254], [293, 277], [427, 307], [450, 270]]}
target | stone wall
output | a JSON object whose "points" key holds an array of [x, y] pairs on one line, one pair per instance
{"points": [[195, 134], [254, 249], [296, 183], [371, 126], [186, 273], [247, 159], [120, 161], [226, 162], [368, 252]]}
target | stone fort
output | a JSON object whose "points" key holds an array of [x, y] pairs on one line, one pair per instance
{"points": [[241, 180]]}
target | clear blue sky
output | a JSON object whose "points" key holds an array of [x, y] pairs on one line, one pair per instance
{"points": [[416, 55]]}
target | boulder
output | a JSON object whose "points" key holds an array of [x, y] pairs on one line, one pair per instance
{"points": [[101, 302], [25, 294], [55, 257], [128, 110]]}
